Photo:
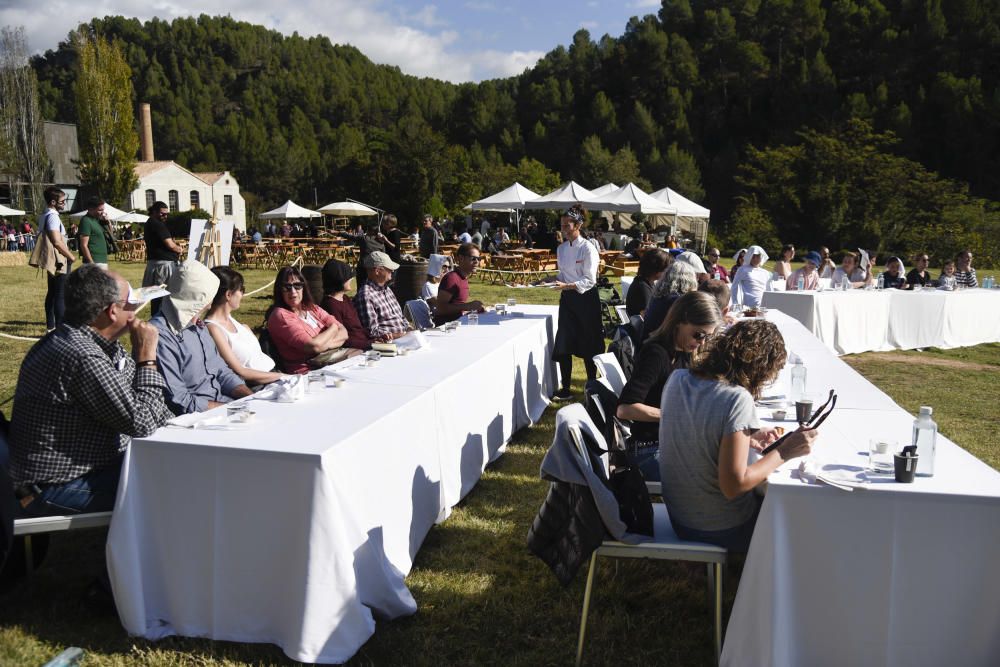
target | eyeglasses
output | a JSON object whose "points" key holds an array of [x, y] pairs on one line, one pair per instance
{"points": [[288, 287], [700, 335], [474, 258]]}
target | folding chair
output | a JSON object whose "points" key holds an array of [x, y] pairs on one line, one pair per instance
{"points": [[609, 367], [419, 313], [665, 545]]}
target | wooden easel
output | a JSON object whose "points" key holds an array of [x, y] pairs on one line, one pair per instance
{"points": [[210, 252]]}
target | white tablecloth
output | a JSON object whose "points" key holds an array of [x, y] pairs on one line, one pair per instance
{"points": [[870, 320], [891, 574], [300, 528]]}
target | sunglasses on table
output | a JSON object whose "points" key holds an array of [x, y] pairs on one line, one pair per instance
{"points": [[288, 287], [817, 418]]}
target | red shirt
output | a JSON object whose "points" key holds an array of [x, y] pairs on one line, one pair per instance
{"points": [[345, 313], [290, 333], [458, 286]]}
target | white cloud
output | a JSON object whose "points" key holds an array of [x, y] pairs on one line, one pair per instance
{"points": [[645, 4], [417, 43]]}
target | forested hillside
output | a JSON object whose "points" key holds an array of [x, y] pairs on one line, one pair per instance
{"points": [[844, 121]]}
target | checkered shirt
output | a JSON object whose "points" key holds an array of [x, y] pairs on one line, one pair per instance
{"points": [[79, 398], [379, 311]]}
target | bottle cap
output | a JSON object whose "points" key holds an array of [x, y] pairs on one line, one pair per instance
{"points": [[926, 410]]}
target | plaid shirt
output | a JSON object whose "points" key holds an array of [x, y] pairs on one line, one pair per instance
{"points": [[379, 311], [79, 398]]}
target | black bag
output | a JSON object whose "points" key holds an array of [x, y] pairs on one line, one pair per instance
{"points": [[635, 509]]}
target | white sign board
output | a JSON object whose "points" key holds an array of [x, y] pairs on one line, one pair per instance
{"points": [[197, 238]]}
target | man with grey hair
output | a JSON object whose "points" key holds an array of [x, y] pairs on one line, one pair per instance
{"points": [[679, 279], [80, 398]]}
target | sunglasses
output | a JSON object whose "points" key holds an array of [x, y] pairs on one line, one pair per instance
{"points": [[476, 258], [700, 335], [711, 256], [288, 287]]}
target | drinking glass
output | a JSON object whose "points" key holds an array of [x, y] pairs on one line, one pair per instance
{"points": [[473, 319], [880, 451], [511, 302]]}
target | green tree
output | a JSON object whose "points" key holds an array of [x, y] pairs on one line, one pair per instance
{"points": [[22, 147], [105, 123]]}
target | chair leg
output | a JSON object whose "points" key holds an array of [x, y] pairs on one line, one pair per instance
{"points": [[29, 556], [586, 608], [717, 572]]}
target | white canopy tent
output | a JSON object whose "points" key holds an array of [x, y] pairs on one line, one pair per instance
{"points": [[629, 199], [567, 195], [690, 218], [511, 201], [604, 189], [289, 210], [4, 210], [110, 211], [134, 216]]}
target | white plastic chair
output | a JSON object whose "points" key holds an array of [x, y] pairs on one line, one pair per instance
{"points": [[665, 545], [420, 314], [611, 370]]}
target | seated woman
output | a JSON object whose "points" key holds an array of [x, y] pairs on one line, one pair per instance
{"points": [[678, 280], [751, 279], [652, 266], [851, 271], [693, 318], [238, 347], [895, 274], [337, 277], [437, 266], [304, 334], [739, 258], [708, 426], [783, 267], [809, 273]]}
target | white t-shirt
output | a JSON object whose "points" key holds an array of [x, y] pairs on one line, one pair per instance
{"points": [[750, 283], [245, 346]]}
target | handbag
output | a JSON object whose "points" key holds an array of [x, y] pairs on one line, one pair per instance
{"points": [[626, 482], [328, 357]]}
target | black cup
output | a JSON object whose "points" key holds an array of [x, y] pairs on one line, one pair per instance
{"points": [[803, 411], [906, 467]]}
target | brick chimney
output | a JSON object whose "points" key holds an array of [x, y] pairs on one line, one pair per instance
{"points": [[146, 132]]}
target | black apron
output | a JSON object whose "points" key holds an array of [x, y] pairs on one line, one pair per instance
{"points": [[580, 332]]}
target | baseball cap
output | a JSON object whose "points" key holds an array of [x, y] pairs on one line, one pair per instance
{"points": [[377, 259]]}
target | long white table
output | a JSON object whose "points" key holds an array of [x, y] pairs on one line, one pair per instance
{"points": [[299, 529], [890, 574], [876, 320]]}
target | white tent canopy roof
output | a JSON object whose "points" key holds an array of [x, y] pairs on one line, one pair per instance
{"points": [[685, 207], [4, 210], [514, 197], [347, 209], [630, 199], [289, 210], [604, 189], [109, 210], [134, 216], [567, 195]]}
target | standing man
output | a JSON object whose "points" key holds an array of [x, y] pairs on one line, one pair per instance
{"points": [[715, 270], [162, 252], [53, 254], [453, 294], [428, 237], [580, 333], [93, 235], [80, 398]]}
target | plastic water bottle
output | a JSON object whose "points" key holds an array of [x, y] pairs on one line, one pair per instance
{"points": [[880, 282], [925, 438], [798, 380], [845, 284], [800, 284]]}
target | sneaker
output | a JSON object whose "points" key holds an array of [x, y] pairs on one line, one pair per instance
{"points": [[563, 395]]}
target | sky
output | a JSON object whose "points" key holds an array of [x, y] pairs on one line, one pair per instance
{"points": [[454, 40]]}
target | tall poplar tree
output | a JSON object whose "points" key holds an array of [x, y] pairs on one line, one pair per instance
{"points": [[105, 122], [22, 144]]}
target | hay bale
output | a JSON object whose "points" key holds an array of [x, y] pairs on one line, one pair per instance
{"points": [[13, 259]]}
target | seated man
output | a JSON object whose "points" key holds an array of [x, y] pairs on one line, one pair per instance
{"points": [[198, 378], [80, 399], [378, 308], [453, 294]]}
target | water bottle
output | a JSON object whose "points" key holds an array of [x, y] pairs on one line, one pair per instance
{"points": [[925, 438], [880, 282], [800, 284], [845, 284], [798, 380]]}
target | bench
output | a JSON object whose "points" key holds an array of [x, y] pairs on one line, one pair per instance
{"points": [[53, 524]]}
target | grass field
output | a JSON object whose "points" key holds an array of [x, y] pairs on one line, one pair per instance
{"points": [[483, 598]]}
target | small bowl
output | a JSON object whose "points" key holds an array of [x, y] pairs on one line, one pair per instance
{"points": [[779, 415]]}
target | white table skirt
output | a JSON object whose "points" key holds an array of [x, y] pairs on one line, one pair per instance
{"points": [[299, 529], [869, 320], [892, 574]]}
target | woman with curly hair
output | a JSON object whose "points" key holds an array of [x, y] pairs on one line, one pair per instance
{"points": [[708, 425]]}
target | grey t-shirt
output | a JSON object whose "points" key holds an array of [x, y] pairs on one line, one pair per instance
{"points": [[695, 415]]}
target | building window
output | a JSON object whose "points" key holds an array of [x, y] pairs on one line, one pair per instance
{"points": [[195, 199], [173, 200], [150, 198], [227, 204]]}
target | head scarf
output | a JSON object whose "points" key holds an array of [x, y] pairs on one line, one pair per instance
{"points": [[191, 287], [755, 250], [902, 267], [736, 257], [336, 274], [434, 264], [815, 258]]}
